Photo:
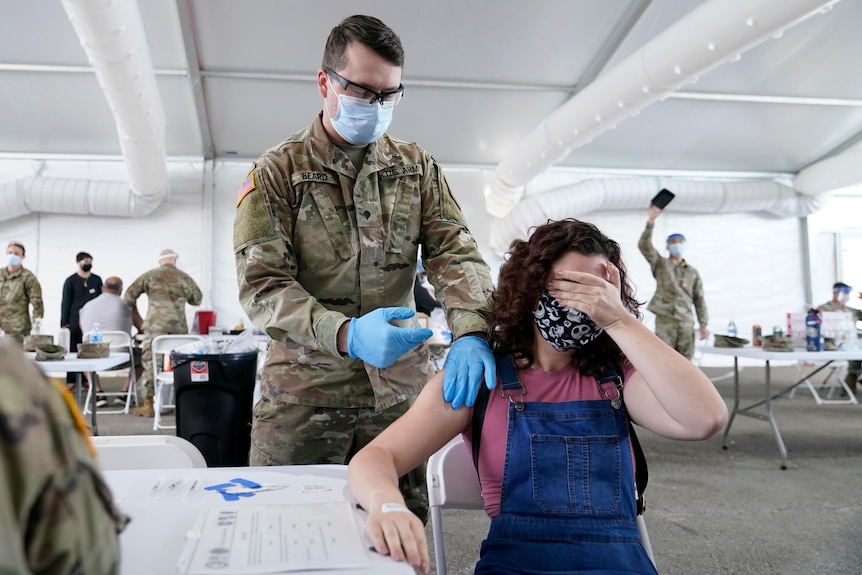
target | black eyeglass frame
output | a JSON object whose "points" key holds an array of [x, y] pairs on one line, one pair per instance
{"points": [[378, 96]]}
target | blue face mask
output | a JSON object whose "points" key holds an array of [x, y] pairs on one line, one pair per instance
{"points": [[13, 260], [676, 250], [359, 122]]}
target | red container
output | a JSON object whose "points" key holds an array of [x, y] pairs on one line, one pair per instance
{"points": [[203, 320]]}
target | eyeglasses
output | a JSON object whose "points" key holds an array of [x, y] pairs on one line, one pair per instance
{"points": [[355, 90]]}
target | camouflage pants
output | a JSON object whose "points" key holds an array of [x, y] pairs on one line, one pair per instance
{"points": [[146, 380], [288, 434], [679, 335]]}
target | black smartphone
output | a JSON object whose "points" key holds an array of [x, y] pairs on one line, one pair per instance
{"points": [[662, 199]]}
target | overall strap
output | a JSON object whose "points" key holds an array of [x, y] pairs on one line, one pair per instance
{"points": [[610, 386], [507, 374]]}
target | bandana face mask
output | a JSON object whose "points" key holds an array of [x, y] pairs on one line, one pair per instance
{"points": [[564, 328]]}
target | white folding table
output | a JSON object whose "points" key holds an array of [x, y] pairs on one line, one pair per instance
{"points": [[163, 521], [762, 409], [72, 363]]}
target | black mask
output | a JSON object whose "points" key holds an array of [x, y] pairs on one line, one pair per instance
{"points": [[86, 267]]}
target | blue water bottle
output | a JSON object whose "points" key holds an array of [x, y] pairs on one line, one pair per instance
{"points": [[813, 341]]}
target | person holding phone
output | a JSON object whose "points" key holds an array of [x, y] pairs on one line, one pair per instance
{"points": [[678, 288]]}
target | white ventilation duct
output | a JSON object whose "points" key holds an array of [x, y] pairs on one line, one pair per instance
{"points": [[112, 35], [711, 34], [635, 193]]}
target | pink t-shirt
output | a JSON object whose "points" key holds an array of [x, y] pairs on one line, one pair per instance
{"points": [[542, 386]]}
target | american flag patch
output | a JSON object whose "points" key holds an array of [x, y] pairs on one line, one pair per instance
{"points": [[247, 186]]}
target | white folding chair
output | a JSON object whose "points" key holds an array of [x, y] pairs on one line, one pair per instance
{"points": [[146, 452], [163, 380], [453, 482], [833, 381], [120, 341]]}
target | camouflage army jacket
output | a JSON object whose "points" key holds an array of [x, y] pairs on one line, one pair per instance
{"points": [[318, 241], [19, 289], [57, 516], [831, 306], [678, 286], [168, 290]]}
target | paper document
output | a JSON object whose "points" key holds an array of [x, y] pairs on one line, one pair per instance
{"points": [[275, 539]]}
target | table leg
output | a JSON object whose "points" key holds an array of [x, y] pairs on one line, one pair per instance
{"points": [[735, 401], [94, 383], [79, 383], [771, 418]]}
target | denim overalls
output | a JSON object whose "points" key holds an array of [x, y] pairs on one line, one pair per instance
{"points": [[567, 503]]}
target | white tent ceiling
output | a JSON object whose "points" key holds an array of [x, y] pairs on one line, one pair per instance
{"points": [[237, 77]]}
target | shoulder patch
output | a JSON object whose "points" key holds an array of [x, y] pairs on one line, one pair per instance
{"points": [[247, 186], [252, 222]]}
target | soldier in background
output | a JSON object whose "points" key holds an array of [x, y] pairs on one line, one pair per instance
{"points": [[57, 515], [19, 289], [326, 236], [678, 288], [840, 296], [168, 290]]}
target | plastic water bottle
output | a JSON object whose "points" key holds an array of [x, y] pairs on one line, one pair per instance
{"points": [[731, 329], [96, 334], [813, 321], [36, 328]]}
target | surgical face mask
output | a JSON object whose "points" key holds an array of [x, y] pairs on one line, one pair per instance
{"points": [[676, 249], [844, 296], [13, 260], [359, 122], [86, 267], [564, 328]]}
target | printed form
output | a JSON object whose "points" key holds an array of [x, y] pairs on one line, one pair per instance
{"points": [[275, 539]]}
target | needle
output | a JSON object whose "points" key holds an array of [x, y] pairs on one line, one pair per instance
{"points": [[192, 487]]}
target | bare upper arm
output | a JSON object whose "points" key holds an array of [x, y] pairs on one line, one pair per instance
{"points": [[426, 427]]}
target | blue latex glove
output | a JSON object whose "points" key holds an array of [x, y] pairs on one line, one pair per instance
{"points": [[468, 358], [374, 340]]}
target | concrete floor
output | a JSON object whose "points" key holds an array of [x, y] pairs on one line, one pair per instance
{"points": [[715, 511]]}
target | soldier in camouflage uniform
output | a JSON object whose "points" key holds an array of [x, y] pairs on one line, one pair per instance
{"points": [[327, 235], [678, 288], [840, 297], [57, 516], [19, 289], [168, 290]]}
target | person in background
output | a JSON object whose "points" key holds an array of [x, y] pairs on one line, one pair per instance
{"points": [[840, 296], [678, 288], [19, 289], [168, 290], [327, 232], [425, 302], [555, 459], [57, 515], [112, 314], [78, 289]]}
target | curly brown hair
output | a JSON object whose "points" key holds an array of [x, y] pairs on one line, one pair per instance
{"points": [[523, 277]]}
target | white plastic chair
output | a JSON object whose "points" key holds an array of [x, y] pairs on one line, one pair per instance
{"points": [[120, 341], [146, 452], [453, 482], [163, 381]]}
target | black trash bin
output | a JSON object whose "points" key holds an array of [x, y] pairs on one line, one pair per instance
{"points": [[214, 395]]}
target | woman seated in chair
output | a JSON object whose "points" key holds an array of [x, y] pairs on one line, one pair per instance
{"points": [[556, 462]]}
